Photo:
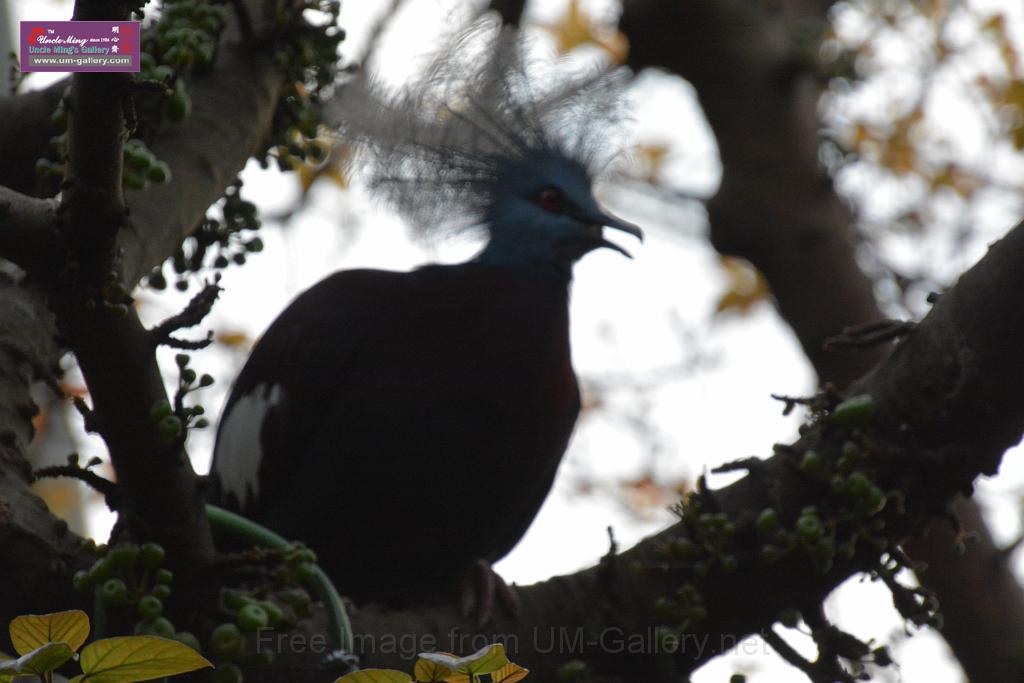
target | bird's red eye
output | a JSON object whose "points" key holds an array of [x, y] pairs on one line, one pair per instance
{"points": [[551, 199]]}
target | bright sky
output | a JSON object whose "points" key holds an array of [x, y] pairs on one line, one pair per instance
{"points": [[632, 321]]}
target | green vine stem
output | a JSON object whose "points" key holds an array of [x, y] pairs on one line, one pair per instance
{"points": [[340, 627]]}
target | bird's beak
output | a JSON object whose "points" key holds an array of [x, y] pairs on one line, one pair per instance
{"points": [[603, 218]]}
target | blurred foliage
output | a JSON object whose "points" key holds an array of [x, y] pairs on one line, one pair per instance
{"points": [[745, 287], [924, 128], [577, 28]]}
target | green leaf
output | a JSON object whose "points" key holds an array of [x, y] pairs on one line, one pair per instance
{"points": [[484, 661], [46, 657], [136, 658], [31, 631], [375, 676]]}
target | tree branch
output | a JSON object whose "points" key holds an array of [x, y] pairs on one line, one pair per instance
{"points": [[27, 227], [25, 135]]}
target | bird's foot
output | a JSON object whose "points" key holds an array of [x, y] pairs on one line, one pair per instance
{"points": [[482, 589]]}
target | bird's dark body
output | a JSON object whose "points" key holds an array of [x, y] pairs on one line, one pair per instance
{"points": [[420, 421]]}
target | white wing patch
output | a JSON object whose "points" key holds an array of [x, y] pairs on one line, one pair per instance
{"points": [[239, 453]]}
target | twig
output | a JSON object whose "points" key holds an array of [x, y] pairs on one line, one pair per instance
{"points": [[89, 419], [105, 487], [753, 465], [870, 334], [814, 670], [193, 314]]}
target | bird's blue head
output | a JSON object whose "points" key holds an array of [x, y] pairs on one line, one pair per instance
{"points": [[543, 214], [477, 142]]}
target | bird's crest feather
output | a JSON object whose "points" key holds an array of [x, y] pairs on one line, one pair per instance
{"points": [[438, 149]]}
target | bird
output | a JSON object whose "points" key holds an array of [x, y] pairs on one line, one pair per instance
{"points": [[407, 426]]}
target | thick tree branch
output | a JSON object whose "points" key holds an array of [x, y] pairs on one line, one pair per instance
{"points": [[27, 228], [25, 135]]}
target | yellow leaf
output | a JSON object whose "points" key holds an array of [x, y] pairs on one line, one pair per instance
{"points": [[483, 661], [308, 173], [232, 339], [745, 286], [427, 671], [510, 673], [994, 23], [136, 658], [898, 153], [645, 493], [862, 137], [375, 676], [1017, 136], [576, 28], [36, 663], [335, 168], [1014, 95], [338, 175], [933, 9], [955, 178], [32, 631], [652, 158]]}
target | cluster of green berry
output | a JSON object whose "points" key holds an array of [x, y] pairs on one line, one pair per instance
{"points": [[304, 146], [853, 501], [172, 422], [111, 295], [309, 56], [278, 604], [217, 243], [186, 35], [846, 514], [182, 40], [810, 534], [709, 544], [141, 167], [130, 578], [684, 610], [178, 105]]}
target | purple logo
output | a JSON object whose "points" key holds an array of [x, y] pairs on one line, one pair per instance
{"points": [[80, 46]]}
